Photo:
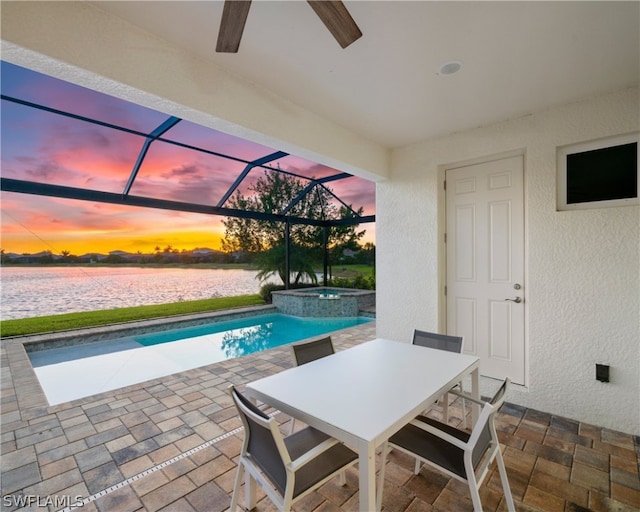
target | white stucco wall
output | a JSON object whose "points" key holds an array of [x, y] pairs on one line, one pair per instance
{"points": [[582, 267]]}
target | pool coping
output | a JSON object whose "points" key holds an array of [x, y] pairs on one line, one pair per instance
{"points": [[35, 342]]}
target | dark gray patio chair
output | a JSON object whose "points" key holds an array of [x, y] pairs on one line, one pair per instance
{"points": [[463, 456], [287, 468], [450, 344], [307, 351], [439, 341]]}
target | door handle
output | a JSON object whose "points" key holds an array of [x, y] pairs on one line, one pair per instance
{"points": [[517, 300]]}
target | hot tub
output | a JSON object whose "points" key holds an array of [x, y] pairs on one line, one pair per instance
{"points": [[322, 301]]}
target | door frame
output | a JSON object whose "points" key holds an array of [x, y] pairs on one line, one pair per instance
{"points": [[442, 248]]}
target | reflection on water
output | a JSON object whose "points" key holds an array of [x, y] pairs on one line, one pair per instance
{"points": [[235, 338], [41, 291], [241, 342], [277, 329]]}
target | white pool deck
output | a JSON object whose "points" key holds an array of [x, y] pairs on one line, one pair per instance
{"points": [[104, 366]]}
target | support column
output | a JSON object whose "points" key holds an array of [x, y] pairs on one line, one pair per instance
{"points": [[287, 259], [325, 259]]}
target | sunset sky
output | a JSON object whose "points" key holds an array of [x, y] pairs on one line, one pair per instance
{"points": [[45, 147]]}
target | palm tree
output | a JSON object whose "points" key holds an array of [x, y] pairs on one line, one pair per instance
{"points": [[272, 262]]}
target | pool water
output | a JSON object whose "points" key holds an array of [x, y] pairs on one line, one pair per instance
{"points": [[69, 373]]}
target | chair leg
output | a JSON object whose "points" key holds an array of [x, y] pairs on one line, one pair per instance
{"points": [[293, 424], [250, 491], [464, 412], [445, 408], [287, 499], [342, 478], [505, 482], [417, 466], [475, 495], [236, 488], [464, 415]]}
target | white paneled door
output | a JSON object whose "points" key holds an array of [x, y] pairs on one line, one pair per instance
{"points": [[485, 264]]}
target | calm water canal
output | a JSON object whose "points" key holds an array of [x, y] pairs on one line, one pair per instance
{"points": [[40, 291]]}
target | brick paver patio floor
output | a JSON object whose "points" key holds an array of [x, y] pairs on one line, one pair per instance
{"points": [[170, 444]]}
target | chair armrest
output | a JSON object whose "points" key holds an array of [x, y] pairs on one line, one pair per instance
{"points": [[439, 433], [307, 457]]}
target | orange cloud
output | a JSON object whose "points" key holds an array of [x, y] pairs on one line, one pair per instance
{"points": [[34, 224]]}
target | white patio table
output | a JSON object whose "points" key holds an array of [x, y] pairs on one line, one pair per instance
{"points": [[365, 394]]}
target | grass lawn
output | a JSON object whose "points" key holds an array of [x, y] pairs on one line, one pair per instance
{"points": [[53, 323], [350, 270]]}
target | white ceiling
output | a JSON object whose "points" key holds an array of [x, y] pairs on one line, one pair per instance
{"points": [[517, 57]]}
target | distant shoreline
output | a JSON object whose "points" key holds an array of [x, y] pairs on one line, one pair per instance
{"points": [[336, 271], [234, 266]]}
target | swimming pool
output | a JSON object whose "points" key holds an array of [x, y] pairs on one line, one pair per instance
{"points": [[68, 373]]}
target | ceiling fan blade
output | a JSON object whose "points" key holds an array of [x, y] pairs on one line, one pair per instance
{"points": [[337, 19], [234, 16]]}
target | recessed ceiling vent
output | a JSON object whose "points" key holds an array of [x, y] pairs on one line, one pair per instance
{"points": [[449, 68]]}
